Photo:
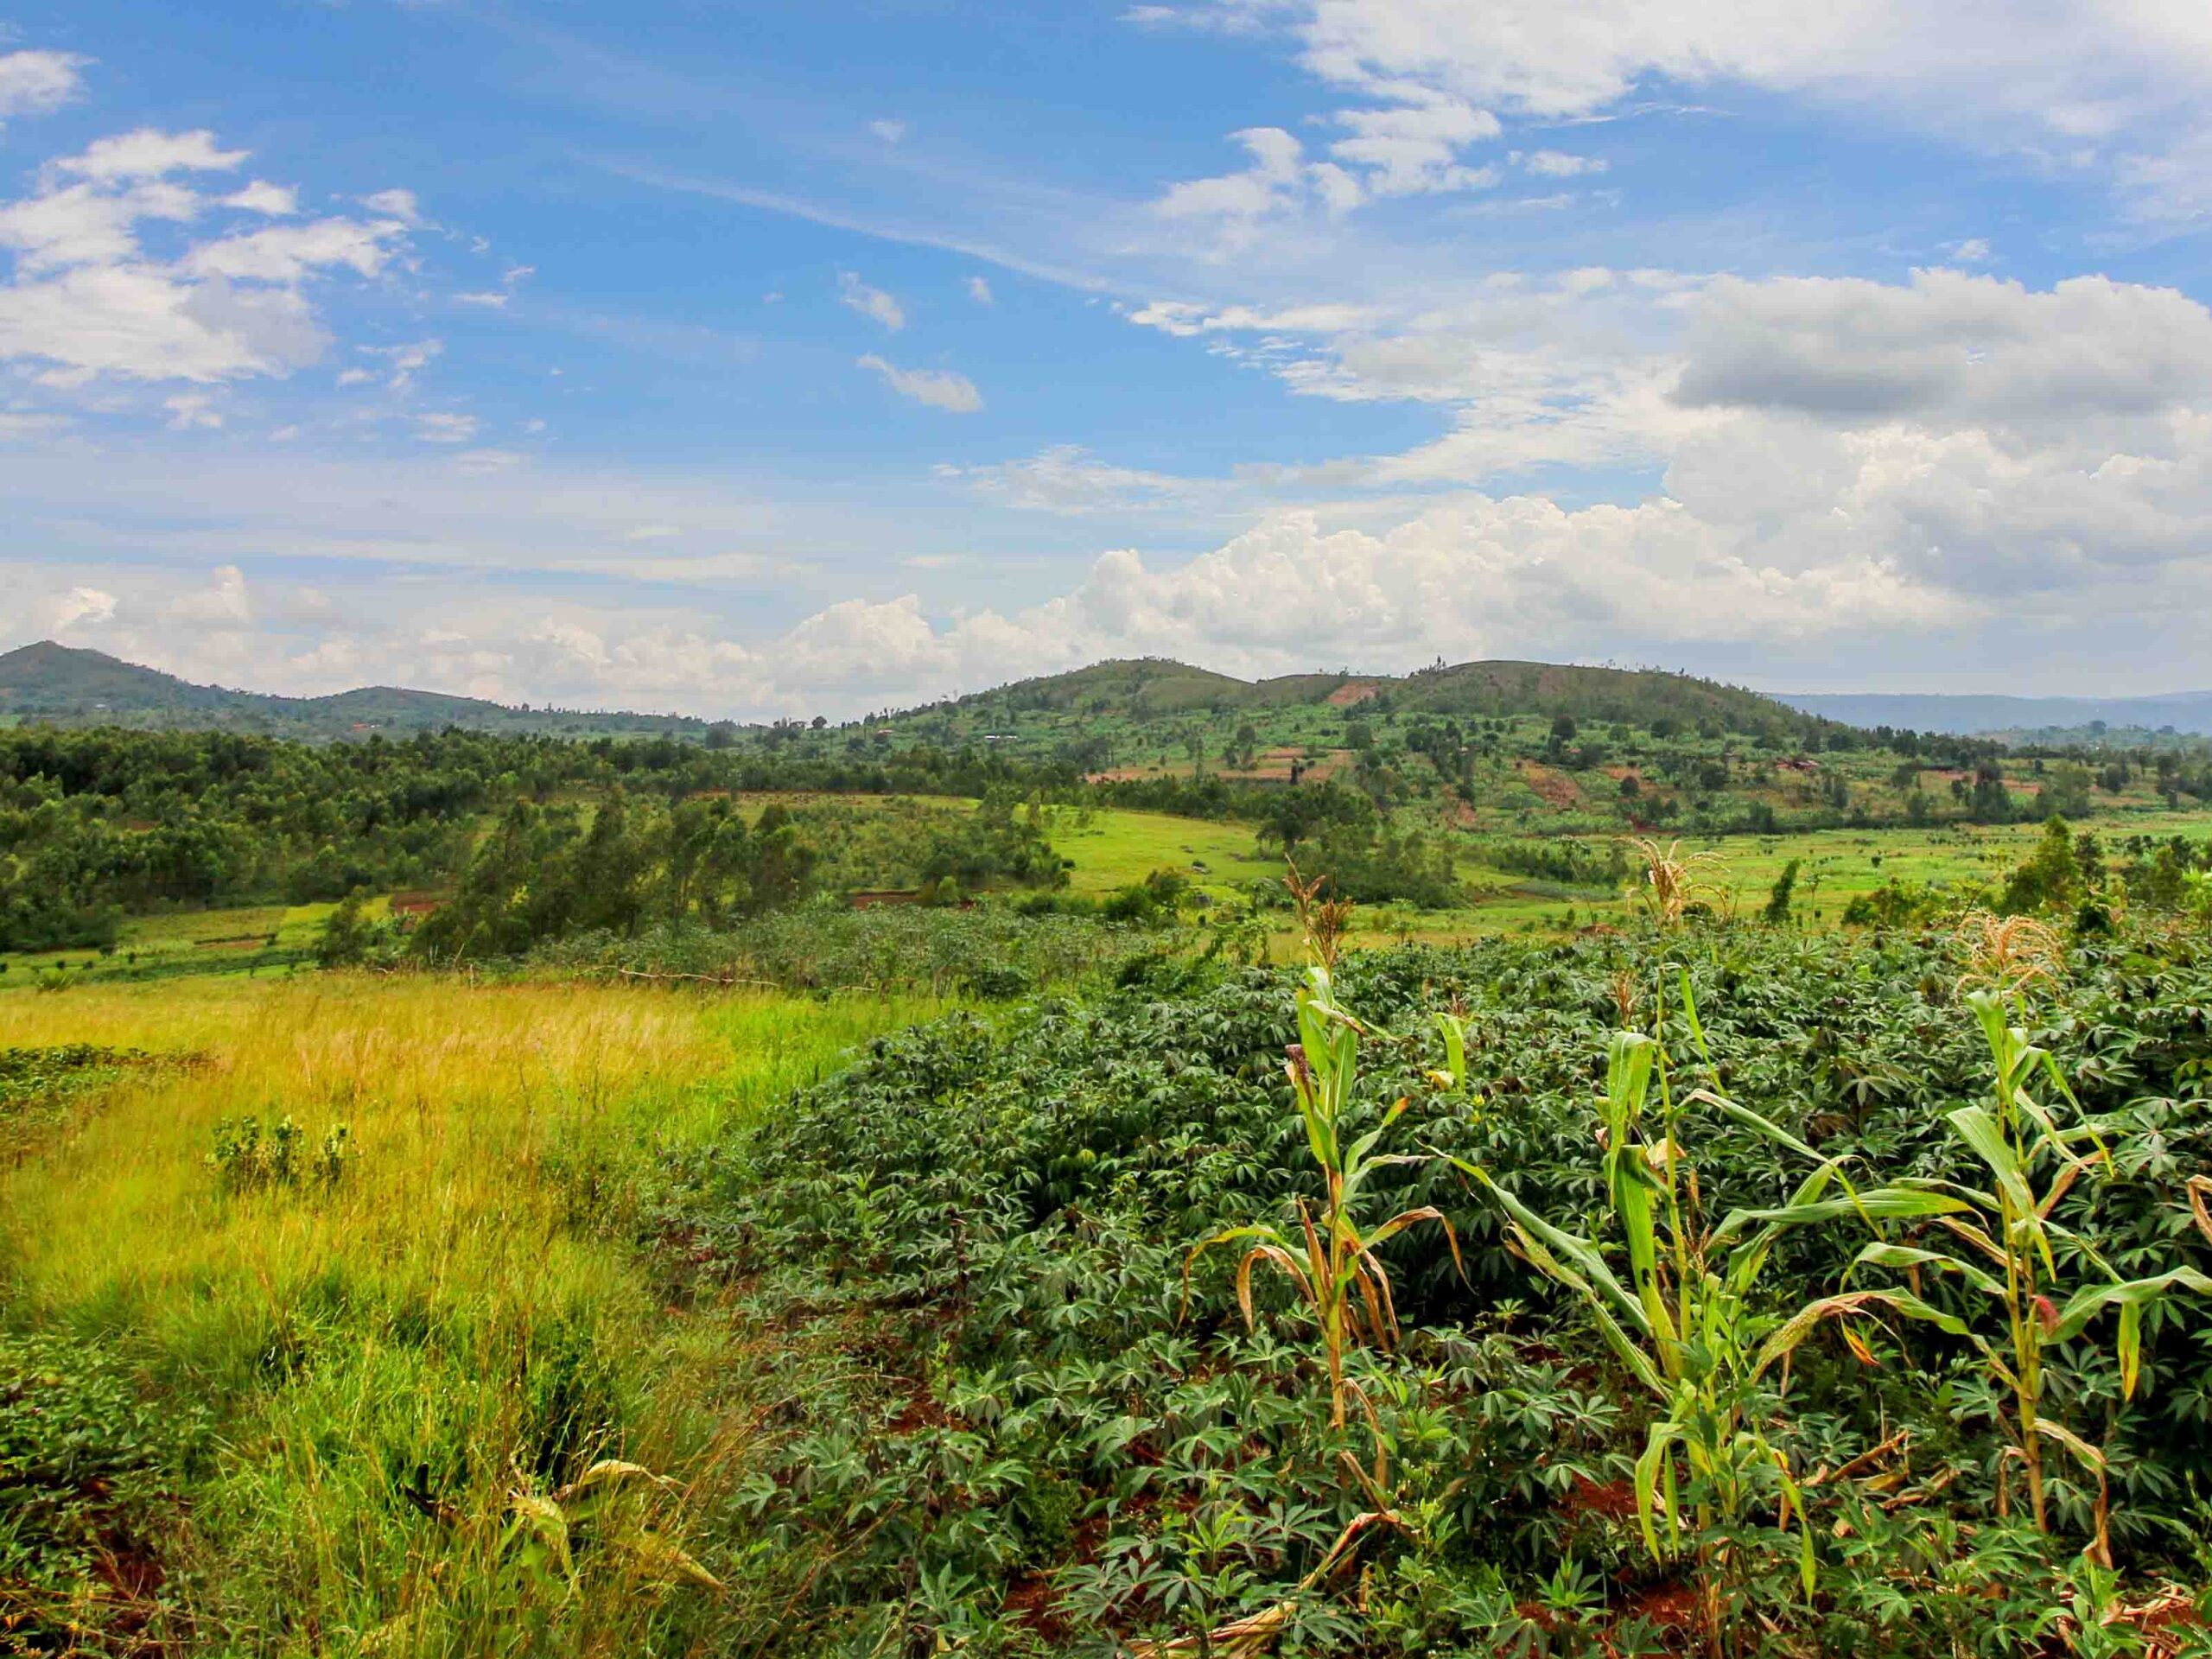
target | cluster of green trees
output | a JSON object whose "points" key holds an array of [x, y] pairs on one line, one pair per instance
{"points": [[97, 824], [547, 874]]}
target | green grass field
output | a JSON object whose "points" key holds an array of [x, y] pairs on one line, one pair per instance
{"points": [[1113, 849]]}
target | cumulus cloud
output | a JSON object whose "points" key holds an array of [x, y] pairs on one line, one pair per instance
{"points": [[402, 362], [1278, 181], [1412, 148], [271, 201], [396, 204], [871, 302], [86, 299], [939, 388], [81, 607], [37, 83], [1949, 347], [149, 153], [223, 604]]}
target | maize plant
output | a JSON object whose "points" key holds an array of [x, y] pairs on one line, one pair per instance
{"points": [[1673, 879], [1683, 1320], [2002, 1254], [1330, 1260]]}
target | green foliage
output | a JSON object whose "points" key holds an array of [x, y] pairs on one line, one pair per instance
{"points": [[1776, 914], [979, 1235], [348, 935], [248, 1158], [2048, 879], [89, 1470], [1898, 904], [38, 1084], [995, 951], [2006, 1222]]}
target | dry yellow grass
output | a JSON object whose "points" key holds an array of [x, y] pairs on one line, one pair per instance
{"points": [[465, 1314]]}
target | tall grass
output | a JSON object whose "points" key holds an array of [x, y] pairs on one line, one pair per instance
{"points": [[405, 1362]]}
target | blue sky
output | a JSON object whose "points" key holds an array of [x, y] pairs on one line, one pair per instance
{"points": [[754, 359]]}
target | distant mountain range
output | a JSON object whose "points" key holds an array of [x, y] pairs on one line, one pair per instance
{"points": [[2183, 711], [65, 685]]}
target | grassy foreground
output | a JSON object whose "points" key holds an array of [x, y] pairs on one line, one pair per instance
{"points": [[377, 1380]]}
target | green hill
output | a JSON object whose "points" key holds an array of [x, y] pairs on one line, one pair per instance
{"points": [[1150, 689], [66, 685]]}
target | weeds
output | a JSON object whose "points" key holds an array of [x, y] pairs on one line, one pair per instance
{"points": [[247, 1159]]}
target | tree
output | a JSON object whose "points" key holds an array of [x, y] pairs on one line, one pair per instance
{"points": [[1777, 899], [347, 934]]}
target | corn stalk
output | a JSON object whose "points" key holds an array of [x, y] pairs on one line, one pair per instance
{"points": [[1682, 1319], [1330, 1258], [2002, 1254]]}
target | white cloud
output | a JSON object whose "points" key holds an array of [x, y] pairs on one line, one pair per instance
{"points": [[192, 410], [149, 153], [1280, 180], [980, 291], [495, 301], [1561, 164], [445, 426], [404, 362], [1412, 148], [1949, 347], [871, 302], [226, 605], [2117, 82], [1067, 480], [38, 83], [652, 533], [140, 322], [890, 131], [482, 463], [289, 253], [81, 607], [939, 388], [396, 204], [272, 200], [1974, 250], [85, 300]]}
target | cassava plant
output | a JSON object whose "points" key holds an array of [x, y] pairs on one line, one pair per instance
{"points": [[1683, 1319], [1330, 1260], [2002, 1236]]}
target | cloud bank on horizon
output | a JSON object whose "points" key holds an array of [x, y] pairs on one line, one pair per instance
{"points": [[1865, 349]]}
